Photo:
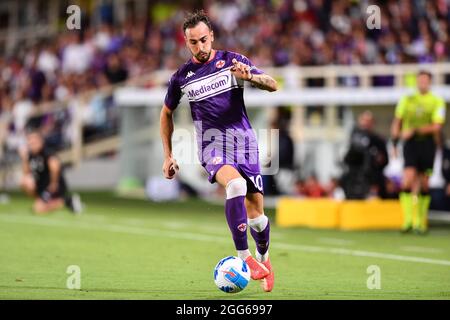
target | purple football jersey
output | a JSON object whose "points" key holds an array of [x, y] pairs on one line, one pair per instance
{"points": [[216, 97]]}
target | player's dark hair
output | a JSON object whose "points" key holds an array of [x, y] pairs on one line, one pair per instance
{"points": [[425, 72], [194, 18], [33, 125], [33, 130]]}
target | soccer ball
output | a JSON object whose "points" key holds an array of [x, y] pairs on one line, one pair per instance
{"points": [[231, 274]]}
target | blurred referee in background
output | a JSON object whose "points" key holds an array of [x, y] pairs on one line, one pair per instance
{"points": [[419, 118]]}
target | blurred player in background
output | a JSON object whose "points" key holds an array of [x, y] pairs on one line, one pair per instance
{"points": [[419, 118], [213, 81], [43, 177], [365, 161]]}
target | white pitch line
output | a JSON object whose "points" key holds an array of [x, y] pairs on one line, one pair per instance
{"points": [[206, 238], [421, 249], [336, 241], [362, 253], [174, 224], [180, 224], [110, 227]]}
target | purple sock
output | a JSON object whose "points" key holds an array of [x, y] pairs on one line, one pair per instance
{"points": [[261, 239], [237, 221]]}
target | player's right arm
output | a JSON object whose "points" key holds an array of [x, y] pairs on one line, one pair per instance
{"points": [[166, 130], [396, 126], [23, 153], [171, 102]]}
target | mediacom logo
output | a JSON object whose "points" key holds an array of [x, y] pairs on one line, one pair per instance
{"points": [[217, 83]]}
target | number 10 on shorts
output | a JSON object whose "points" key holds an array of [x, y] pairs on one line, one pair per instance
{"points": [[257, 181]]}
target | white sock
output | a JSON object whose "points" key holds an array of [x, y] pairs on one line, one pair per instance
{"points": [[243, 254], [259, 223], [262, 257]]}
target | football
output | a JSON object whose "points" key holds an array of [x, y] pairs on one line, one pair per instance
{"points": [[231, 274]]}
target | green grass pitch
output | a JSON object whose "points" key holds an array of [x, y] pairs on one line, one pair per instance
{"points": [[135, 249]]}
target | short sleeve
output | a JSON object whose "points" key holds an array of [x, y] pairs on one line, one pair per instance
{"points": [[253, 68], [401, 107], [174, 94], [439, 112]]}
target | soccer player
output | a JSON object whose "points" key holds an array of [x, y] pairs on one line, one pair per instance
{"points": [[418, 120], [43, 178], [213, 81]]}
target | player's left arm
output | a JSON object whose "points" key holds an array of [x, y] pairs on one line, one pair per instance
{"points": [[264, 82], [54, 167], [261, 81]]}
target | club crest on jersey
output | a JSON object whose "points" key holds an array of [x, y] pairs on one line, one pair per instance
{"points": [[242, 227], [217, 160], [220, 64]]}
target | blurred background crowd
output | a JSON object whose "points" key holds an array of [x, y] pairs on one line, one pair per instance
{"points": [[47, 73]]}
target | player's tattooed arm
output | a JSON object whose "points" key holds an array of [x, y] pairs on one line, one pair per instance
{"points": [[264, 82], [260, 81]]}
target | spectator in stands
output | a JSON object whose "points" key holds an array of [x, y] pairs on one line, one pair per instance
{"points": [[333, 190], [23, 107], [315, 32], [114, 70], [48, 61], [310, 187], [37, 81], [77, 55]]}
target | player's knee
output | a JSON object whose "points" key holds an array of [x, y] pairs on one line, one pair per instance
{"points": [[24, 182], [40, 207], [236, 188], [27, 183]]}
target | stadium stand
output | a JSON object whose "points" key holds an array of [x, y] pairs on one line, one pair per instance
{"points": [[45, 76]]}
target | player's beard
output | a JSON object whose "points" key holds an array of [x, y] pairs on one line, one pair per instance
{"points": [[203, 56]]}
